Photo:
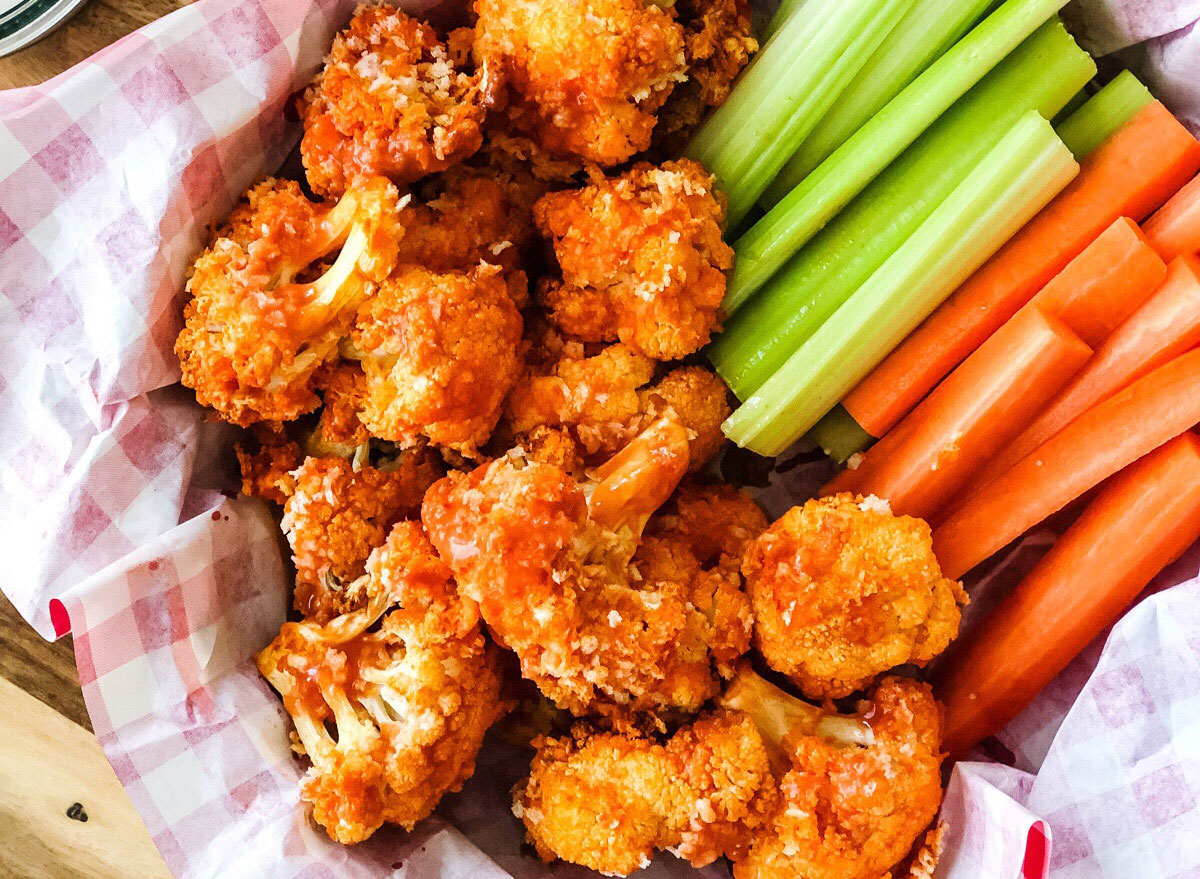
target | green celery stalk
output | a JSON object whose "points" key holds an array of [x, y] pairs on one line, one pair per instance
{"points": [[839, 436], [1041, 74], [792, 83], [1016, 179], [1081, 98], [929, 29], [1103, 114], [768, 244], [785, 10], [1091, 122]]}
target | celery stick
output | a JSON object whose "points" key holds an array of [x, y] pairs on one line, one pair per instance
{"points": [[929, 29], [1013, 182], [1103, 114], [1090, 122], [786, 10], [1042, 74], [793, 82], [818, 198], [839, 435], [1081, 98]]}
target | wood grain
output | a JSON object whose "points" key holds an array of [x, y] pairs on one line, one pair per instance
{"points": [[43, 669], [96, 25], [47, 764]]}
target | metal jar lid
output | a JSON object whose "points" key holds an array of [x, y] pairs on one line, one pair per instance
{"points": [[25, 21]]}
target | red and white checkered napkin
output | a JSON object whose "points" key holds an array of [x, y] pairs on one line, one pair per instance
{"points": [[110, 512]]}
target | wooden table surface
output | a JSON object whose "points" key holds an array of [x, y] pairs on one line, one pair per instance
{"points": [[50, 763]]}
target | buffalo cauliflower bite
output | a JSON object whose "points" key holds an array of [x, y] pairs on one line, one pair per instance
{"points": [[698, 399], [641, 257], [337, 514], [254, 335], [267, 470], [780, 787], [850, 803], [610, 800], [468, 216], [339, 432], [598, 403], [718, 43], [716, 522], [585, 77], [601, 620], [440, 352], [843, 590], [391, 717], [392, 100]]}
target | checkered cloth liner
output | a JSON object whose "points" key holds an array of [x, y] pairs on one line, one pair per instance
{"points": [[111, 511]]}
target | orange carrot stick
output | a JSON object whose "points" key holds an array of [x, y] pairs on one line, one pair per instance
{"points": [[1163, 328], [1130, 175], [1175, 227], [1104, 284], [1093, 447], [984, 403], [1143, 520]]}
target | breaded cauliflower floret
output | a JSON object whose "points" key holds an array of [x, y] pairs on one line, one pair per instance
{"points": [[845, 811], [467, 216], [610, 800], [337, 514], [339, 432], [844, 590], [440, 352], [641, 257], [254, 336], [718, 43], [600, 619], [267, 470], [698, 399], [585, 77], [391, 718], [594, 398], [717, 522], [392, 100], [781, 787], [601, 402]]}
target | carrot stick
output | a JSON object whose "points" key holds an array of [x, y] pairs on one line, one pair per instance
{"points": [[1175, 227], [984, 403], [1104, 284], [1164, 327], [1130, 175], [1093, 447], [1143, 520]]}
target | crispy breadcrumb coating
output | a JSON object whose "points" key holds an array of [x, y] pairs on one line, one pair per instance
{"points": [[468, 216], [392, 100], [698, 399], [718, 43], [595, 397], [641, 257], [253, 337], [337, 514], [849, 812], [599, 403], [267, 470], [715, 521], [585, 77], [339, 431], [600, 619], [784, 789], [440, 352], [609, 800], [408, 703], [844, 590]]}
